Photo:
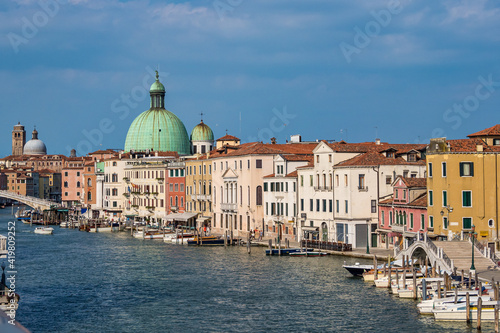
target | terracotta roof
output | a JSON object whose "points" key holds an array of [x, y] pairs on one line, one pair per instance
{"points": [[306, 158], [270, 176], [258, 148], [470, 145], [415, 182], [228, 137], [373, 158], [491, 131], [363, 147], [292, 174]]}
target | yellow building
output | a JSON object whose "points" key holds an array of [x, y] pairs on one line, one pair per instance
{"points": [[199, 189], [463, 187]]}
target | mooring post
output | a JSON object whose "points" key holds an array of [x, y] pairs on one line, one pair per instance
{"points": [[439, 289], [496, 318], [424, 289], [248, 245], [467, 308], [479, 308], [414, 284], [270, 247]]}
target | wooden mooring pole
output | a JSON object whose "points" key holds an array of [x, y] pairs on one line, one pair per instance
{"points": [[414, 284], [479, 308], [467, 308]]}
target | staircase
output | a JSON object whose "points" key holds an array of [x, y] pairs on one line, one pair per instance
{"points": [[461, 254]]}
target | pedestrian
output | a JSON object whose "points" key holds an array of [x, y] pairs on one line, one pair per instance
{"points": [[260, 235]]}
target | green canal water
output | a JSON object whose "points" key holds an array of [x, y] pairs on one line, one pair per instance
{"points": [[81, 282]]}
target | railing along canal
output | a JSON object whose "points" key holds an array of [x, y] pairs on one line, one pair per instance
{"points": [[332, 246]]}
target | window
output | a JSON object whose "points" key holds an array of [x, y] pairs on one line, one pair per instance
{"points": [[466, 199], [429, 171], [337, 206], [445, 222], [411, 220], [382, 218], [431, 222], [317, 158], [390, 218], [466, 169], [330, 205], [302, 205], [311, 180], [346, 206], [374, 206], [443, 169], [259, 196], [272, 186], [422, 221], [431, 199], [345, 180], [258, 164], [491, 223], [65, 184], [361, 181], [336, 180], [388, 180], [66, 174], [301, 180], [89, 196], [467, 223], [445, 198], [248, 164], [496, 142], [330, 158], [324, 205], [311, 204]]}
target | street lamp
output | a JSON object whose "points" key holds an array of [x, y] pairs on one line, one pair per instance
{"points": [[472, 268]]}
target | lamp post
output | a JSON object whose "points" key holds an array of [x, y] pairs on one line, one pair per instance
{"points": [[472, 268]]}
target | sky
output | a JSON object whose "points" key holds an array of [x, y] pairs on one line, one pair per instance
{"points": [[403, 71]]}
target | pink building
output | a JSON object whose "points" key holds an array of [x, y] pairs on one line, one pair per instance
{"points": [[404, 213], [176, 182]]}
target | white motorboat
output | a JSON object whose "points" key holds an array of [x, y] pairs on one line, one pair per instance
{"points": [[428, 306], [459, 312], [100, 229], [182, 241], [64, 224], [44, 230]]}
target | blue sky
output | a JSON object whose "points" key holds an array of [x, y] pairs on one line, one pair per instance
{"points": [[404, 70]]}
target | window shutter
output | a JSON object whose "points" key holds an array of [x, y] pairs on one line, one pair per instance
{"points": [[461, 169]]}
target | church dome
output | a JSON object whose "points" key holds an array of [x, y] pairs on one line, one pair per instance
{"points": [[202, 132], [35, 146], [158, 129]]}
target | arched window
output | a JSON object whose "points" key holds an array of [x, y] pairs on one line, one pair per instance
{"points": [[77, 184], [89, 196], [324, 232], [176, 201], [215, 195], [258, 196], [89, 182], [182, 201], [171, 201]]}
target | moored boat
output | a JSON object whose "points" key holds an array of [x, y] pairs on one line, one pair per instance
{"points": [[308, 254], [357, 269], [44, 230]]}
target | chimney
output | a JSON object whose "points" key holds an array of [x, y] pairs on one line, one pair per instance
{"points": [[273, 141], [377, 142]]}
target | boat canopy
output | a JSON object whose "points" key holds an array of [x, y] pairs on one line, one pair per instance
{"points": [[184, 217]]}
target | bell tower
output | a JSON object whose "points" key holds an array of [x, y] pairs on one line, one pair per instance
{"points": [[18, 139]]}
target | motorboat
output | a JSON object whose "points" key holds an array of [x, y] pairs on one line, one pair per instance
{"points": [[64, 224], [44, 230], [100, 229], [428, 306], [459, 311], [357, 269], [308, 254]]}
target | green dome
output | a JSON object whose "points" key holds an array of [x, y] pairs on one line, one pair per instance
{"points": [[202, 132], [157, 86], [158, 130]]}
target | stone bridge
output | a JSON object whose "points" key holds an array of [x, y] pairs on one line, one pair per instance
{"points": [[35, 203], [426, 249]]}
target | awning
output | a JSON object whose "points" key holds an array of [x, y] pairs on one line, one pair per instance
{"points": [[62, 210], [184, 217], [310, 228], [203, 218], [83, 211], [383, 230], [131, 215]]}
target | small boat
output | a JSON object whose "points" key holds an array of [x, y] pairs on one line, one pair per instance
{"points": [[308, 254], [44, 230], [100, 229], [64, 224], [210, 240], [458, 311], [357, 269], [285, 252], [428, 306]]}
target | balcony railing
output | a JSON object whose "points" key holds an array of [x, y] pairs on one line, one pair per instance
{"points": [[203, 197], [363, 188], [322, 188], [398, 228], [229, 206]]}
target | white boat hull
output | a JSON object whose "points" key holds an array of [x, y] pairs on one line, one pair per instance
{"points": [[44, 231]]}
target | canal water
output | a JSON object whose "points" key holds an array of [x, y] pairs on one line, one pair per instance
{"points": [[75, 281]]}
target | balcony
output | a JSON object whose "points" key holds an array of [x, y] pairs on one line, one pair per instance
{"points": [[229, 206], [322, 188], [363, 188], [398, 228], [203, 197]]}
